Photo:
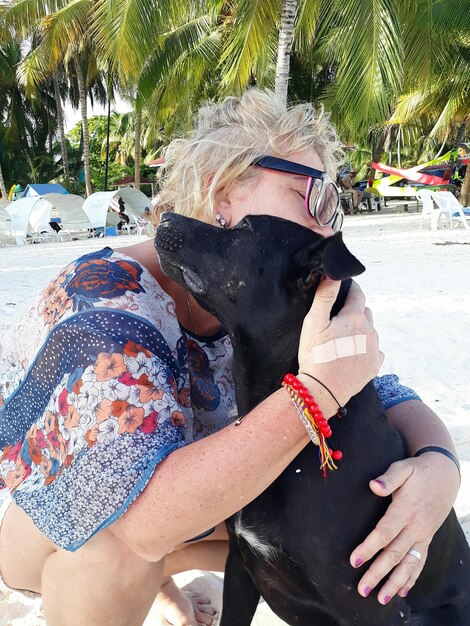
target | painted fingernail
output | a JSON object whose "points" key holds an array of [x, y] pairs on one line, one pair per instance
{"points": [[358, 562], [367, 591], [387, 599], [404, 593], [380, 482]]}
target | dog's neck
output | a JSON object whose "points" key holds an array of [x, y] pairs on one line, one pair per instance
{"points": [[264, 353], [260, 362]]}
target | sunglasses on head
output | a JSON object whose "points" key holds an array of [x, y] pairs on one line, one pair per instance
{"points": [[322, 199]]}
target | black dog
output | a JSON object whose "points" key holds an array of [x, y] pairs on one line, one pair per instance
{"points": [[292, 544]]}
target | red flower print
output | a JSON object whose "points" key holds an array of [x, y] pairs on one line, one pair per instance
{"points": [[11, 452], [144, 380], [177, 418], [128, 379], [91, 436], [150, 423], [63, 404], [53, 439], [50, 479], [109, 366], [40, 439], [130, 419], [183, 398], [119, 406], [132, 349], [77, 386], [34, 451]]}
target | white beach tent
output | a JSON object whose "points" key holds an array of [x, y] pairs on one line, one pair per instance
{"points": [[69, 209], [6, 225], [28, 216], [96, 206]]}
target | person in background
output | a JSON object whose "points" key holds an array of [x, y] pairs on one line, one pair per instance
{"points": [[347, 183], [124, 218]]}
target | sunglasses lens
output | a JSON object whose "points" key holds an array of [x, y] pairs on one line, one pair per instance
{"points": [[338, 221], [324, 203]]}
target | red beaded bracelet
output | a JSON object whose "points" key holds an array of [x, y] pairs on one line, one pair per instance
{"points": [[314, 421]]}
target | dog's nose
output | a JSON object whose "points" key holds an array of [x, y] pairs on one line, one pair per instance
{"points": [[169, 238]]}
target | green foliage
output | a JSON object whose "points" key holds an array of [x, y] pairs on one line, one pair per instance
{"points": [[121, 156], [372, 63]]}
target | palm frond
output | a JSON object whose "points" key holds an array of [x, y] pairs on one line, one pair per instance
{"points": [[362, 38], [195, 42], [250, 44], [65, 29], [125, 31]]}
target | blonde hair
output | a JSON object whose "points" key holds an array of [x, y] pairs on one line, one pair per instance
{"points": [[227, 138]]}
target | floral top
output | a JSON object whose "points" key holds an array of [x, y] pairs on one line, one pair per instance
{"points": [[98, 384]]}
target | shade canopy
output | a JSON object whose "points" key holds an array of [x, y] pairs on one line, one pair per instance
{"points": [[96, 206], [42, 190], [29, 215]]}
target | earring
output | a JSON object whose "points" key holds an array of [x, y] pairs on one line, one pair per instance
{"points": [[221, 221]]}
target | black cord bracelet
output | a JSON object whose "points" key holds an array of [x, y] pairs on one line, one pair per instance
{"points": [[342, 411], [440, 450]]}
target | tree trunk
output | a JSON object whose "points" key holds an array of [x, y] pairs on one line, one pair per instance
{"points": [[60, 126], [137, 153], [3, 189], [86, 134], [286, 37], [465, 191], [49, 133], [460, 133], [379, 147], [399, 146]]}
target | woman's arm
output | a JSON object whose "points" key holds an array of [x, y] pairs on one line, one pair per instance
{"points": [[423, 491], [202, 484]]}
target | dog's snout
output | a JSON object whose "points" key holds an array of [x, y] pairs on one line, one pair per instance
{"points": [[169, 238]]}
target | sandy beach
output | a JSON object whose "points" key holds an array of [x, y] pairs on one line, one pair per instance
{"points": [[418, 286]]}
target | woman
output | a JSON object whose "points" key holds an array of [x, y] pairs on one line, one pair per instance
{"points": [[115, 368]]}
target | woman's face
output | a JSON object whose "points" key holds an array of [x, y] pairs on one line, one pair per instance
{"points": [[274, 193]]}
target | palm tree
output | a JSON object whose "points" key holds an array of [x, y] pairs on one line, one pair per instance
{"points": [[35, 71], [439, 99], [286, 38], [65, 37]]}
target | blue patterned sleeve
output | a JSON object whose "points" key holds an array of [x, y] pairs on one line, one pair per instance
{"points": [[391, 392]]}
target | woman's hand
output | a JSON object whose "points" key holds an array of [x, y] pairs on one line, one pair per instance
{"points": [[345, 376], [423, 490]]}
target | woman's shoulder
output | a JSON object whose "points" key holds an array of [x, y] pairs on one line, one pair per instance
{"points": [[101, 280]]}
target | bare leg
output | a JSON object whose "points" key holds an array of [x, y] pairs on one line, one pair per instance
{"points": [[102, 583]]}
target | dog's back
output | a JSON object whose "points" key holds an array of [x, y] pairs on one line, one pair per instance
{"points": [[292, 543]]}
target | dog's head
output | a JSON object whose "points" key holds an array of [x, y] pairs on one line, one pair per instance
{"points": [[264, 266]]}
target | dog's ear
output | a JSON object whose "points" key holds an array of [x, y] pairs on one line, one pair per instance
{"points": [[329, 258]]}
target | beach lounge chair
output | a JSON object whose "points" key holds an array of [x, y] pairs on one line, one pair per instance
{"points": [[449, 204], [430, 209]]}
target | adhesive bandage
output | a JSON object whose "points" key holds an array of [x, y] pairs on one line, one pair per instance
{"points": [[339, 348]]}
